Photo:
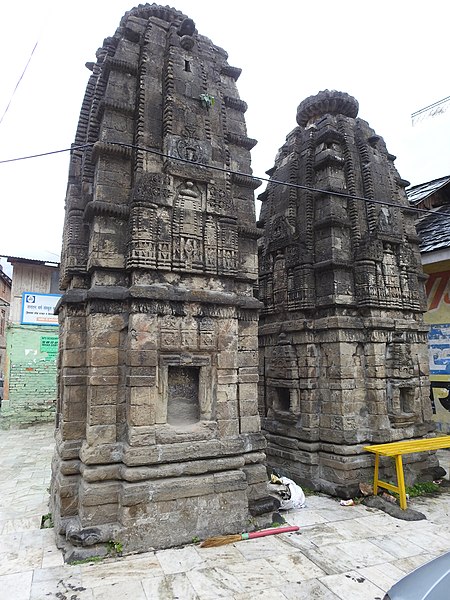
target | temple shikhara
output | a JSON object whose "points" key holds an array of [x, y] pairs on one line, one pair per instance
{"points": [[343, 345], [158, 431]]}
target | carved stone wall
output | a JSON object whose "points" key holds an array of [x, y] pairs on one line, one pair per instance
{"points": [[343, 346], [158, 433]]}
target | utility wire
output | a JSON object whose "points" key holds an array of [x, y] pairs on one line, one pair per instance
{"points": [[228, 171], [18, 83], [9, 160], [425, 108]]}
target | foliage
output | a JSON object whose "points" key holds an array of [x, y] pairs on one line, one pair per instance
{"points": [[47, 521], [115, 547], [207, 100], [85, 561], [420, 489]]}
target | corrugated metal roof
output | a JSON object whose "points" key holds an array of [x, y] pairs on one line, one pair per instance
{"points": [[39, 258], [434, 230], [417, 193]]}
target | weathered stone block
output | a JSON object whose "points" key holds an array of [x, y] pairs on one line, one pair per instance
{"points": [[227, 378], [74, 340], [75, 411], [226, 410], [250, 424], [104, 380], [102, 415], [247, 359], [227, 360], [141, 436], [74, 358], [98, 514], [256, 473], [257, 491], [181, 487], [228, 428], [248, 407], [229, 481], [73, 430], [141, 415], [142, 358], [94, 494], [104, 338], [248, 391]]}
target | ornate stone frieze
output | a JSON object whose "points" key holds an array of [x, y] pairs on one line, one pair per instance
{"points": [[153, 188], [220, 201]]}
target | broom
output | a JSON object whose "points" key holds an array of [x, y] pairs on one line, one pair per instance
{"points": [[221, 540]]}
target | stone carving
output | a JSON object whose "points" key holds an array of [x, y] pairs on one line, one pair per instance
{"points": [[219, 201], [339, 279], [85, 537], [159, 271], [153, 188], [189, 148]]}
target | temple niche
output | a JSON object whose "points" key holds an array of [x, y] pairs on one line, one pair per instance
{"points": [[158, 436], [343, 346]]}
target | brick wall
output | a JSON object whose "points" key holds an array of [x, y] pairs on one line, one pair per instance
{"points": [[32, 374]]}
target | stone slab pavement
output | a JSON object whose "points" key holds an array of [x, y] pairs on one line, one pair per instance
{"points": [[346, 553]]}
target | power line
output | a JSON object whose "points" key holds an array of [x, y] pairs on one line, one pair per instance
{"points": [[434, 105], [10, 160], [228, 171], [18, 83]]}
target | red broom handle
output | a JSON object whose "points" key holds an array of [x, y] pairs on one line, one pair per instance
{"points": [[273, 531]]}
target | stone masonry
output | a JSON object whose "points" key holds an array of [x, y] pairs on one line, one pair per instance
{"points": [[343, 346], [158, 435]]}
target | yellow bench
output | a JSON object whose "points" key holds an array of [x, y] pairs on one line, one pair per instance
{"points": [[396, 450]]}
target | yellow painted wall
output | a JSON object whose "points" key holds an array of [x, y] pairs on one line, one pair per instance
{"points": [[438, 317]]}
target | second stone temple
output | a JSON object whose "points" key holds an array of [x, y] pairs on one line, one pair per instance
{"points": [[343, 346]]}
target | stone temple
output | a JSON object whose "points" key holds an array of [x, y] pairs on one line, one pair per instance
{"points": [[343, 346], [158, 436]]}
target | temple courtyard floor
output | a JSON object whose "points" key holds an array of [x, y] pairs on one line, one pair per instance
{"points": [[348, 553]]}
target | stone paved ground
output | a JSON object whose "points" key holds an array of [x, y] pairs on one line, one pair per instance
{"points": [[347, 553]]}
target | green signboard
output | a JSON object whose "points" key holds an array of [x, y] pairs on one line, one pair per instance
{"points": [[49, 344]]}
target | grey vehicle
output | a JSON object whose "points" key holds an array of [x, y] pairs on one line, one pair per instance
{"points": [[431, 581]]}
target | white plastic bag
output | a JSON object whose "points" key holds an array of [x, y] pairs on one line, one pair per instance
{"points": [[289, 494]]}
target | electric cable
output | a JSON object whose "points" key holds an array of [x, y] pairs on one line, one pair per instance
{"points": [[18, 83], [230, 172], [10, 160]]}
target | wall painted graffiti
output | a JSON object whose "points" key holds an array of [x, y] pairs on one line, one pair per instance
{"points": [[438, 317]]}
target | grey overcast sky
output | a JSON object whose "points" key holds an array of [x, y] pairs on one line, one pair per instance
{"points": [[391, 55]]}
